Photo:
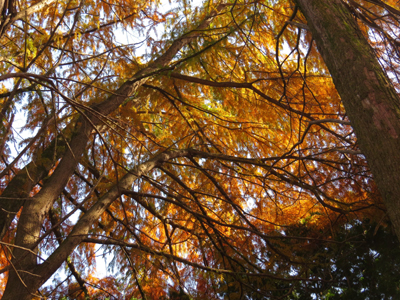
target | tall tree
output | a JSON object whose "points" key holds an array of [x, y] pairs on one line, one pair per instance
{"points": [[368, 95], [205, 147]]}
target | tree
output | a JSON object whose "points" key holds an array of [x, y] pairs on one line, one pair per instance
{"points": [[372, 272], [194, 161], [366, 91]]}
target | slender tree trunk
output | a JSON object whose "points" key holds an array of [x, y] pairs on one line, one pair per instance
{"points": [[369, 98], [27, 275]]}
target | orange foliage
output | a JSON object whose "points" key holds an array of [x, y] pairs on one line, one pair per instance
{"points": [[268, 146]]}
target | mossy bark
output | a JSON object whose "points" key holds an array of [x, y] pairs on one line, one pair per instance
{"points": [[368, 96]]}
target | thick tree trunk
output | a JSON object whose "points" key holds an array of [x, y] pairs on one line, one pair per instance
{"points": [[369, 98]]}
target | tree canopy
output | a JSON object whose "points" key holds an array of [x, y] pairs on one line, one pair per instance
{"points": [[202, 148]]}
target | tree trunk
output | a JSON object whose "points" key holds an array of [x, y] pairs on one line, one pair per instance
{"points": [[369, 98], [27, 275]]}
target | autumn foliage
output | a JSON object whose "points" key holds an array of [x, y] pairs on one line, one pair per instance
{"points": [[200, 148]]}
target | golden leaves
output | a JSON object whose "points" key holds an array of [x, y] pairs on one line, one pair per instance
{"points": [[268, 144]]}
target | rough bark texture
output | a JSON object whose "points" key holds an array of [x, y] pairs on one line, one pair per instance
{"points": [[369, 98]]}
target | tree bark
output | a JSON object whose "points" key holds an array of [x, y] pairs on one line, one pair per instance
{"points": [[27, 275], [23, 287], [368, 96], [9, 15]]}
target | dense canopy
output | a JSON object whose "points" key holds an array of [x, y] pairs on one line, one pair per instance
{"points": [[200, 148]]}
